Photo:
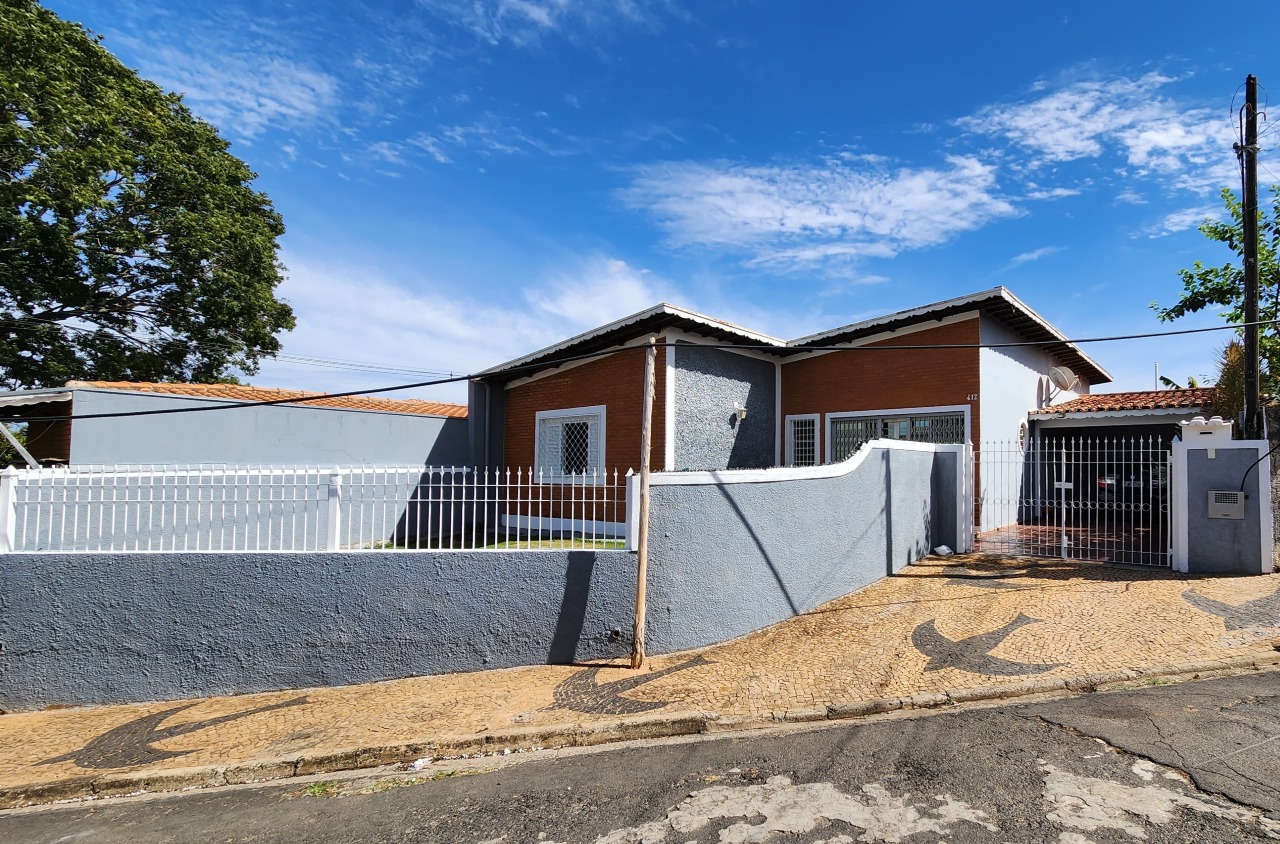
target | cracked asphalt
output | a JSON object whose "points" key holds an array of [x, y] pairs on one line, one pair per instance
{"points": [[1193, 761]]}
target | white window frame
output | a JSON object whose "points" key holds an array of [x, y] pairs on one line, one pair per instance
{"points": [[791, 443], [554, 473], [897, 411]]}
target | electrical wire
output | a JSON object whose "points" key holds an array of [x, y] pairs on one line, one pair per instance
{"points": [[308, 360], [612, 351]]}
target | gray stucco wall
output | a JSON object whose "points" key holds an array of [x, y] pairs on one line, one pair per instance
{"points": [[732, 558], [726, 559], [275, 434], [709, 384], [1223, 546], [109, 628]]}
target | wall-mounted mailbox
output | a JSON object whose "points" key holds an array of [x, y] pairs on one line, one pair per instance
{"points": [[1226, 504]]}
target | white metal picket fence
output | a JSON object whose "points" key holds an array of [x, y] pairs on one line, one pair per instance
{"points": [[307, 508], [1089, 498]]}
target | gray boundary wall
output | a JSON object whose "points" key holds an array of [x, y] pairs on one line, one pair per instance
{"points": [[727, 557], [112, 628], [734, 556]]}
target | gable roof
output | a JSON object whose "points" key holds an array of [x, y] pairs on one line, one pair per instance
{"points": [[245, 393], [652, 320], [1190, 399], [998, 302]]}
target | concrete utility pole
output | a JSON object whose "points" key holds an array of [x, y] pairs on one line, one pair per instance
{"points": [[642, 541], [1249, 158]]}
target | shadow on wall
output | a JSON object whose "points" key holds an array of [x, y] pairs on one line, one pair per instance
{"points": [[764, 552], [573, 608]]}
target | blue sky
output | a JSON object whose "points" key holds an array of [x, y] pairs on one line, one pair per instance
{"points": [[464, 181]]}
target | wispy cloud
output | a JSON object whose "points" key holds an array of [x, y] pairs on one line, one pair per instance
{"points": [[1178, 221], [1152, 133], [244, 92], [419, 324], [801, 216], [527, 22], [1034, 255]]}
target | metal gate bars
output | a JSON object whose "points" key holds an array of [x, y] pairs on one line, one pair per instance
{"points": [[1082, 498]]}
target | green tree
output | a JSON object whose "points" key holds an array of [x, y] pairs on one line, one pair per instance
{"points": [[1205, 287], [9, 455], [132, 245], [1228, 397]]}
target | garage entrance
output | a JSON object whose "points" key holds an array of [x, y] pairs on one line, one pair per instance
{"points": [[1102, 498]]}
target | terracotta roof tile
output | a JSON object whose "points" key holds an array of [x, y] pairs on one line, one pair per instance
{"points": [[242, 392], [1191, 399]]}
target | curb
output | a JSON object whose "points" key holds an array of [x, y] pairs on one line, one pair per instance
{"points": [[587, 735]]}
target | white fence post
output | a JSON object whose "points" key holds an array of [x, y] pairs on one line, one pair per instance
{"points": [[335, 511], [8, 509]]}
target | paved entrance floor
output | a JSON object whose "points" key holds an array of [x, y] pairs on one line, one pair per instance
{"points": [[944, 630]]}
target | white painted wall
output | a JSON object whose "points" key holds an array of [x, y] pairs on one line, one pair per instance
{"points": [[1013, 381]]}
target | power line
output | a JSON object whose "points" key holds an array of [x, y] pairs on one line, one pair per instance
{"points": [[308, 360], [606, 352]]}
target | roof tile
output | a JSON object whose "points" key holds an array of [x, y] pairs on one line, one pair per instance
{"points": [[246, 393], [1193, 398]]}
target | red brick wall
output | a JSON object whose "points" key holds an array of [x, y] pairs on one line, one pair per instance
{"points": [[843, 381], [615, 381]]}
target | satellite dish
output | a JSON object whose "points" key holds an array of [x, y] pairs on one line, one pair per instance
{"points": [[1063, 378]]}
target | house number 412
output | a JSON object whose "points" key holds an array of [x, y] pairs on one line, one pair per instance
{"points": [[971, 397]]}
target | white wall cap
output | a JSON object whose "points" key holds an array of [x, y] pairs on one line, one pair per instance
{"points": [[1206, 433]]}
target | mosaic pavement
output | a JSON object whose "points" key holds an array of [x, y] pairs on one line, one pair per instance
{"points": [[941, 625]]}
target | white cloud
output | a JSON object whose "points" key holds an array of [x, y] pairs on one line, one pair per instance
{"points": [[527, 22], [805, 215], [1155, 135], [599, 291], [1178, 221], [354, 313], [244, 93], [1035, 255]]}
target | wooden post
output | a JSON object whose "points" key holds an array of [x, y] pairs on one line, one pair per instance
{"points": [[642, 541]]}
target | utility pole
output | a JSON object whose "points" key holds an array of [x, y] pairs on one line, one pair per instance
{"points": [[1249, 158], [642, 541]]}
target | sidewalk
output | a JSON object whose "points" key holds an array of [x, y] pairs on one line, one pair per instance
{"points": [[945, 630]]}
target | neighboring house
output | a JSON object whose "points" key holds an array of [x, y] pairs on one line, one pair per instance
{"points": [[730, 398], [339, 431], [1154, 413]]}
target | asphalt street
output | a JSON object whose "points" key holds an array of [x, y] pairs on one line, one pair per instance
{"points": [[1193, 761]]}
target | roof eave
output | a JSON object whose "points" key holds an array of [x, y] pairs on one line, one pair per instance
{"points": [[619, 326]]}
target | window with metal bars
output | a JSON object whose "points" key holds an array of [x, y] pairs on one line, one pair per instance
{"points": [[802, 440], [849, 433], [570, 441]]}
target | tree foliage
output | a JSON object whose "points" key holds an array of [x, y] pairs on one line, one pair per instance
{"points": [[1228, 397], [132, 244], [1208, 287]]}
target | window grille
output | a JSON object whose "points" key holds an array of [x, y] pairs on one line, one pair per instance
{"points": [[804, 442], [575, 447], [570, 442], [849, 433]]}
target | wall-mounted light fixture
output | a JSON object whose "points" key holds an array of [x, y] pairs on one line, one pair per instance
{"points": [[741, 411]]}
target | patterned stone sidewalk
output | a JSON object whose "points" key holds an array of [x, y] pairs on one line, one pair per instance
{"points": [[945, 630]]}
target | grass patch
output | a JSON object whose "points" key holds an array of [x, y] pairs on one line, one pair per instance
{"points": [[559, 544], [324, 788]]}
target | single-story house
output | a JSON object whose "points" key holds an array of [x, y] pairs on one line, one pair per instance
{"points": [[338, 431], [728, 397]]}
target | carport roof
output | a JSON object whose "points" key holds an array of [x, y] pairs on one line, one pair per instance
{"points": [[1189, 399]]}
